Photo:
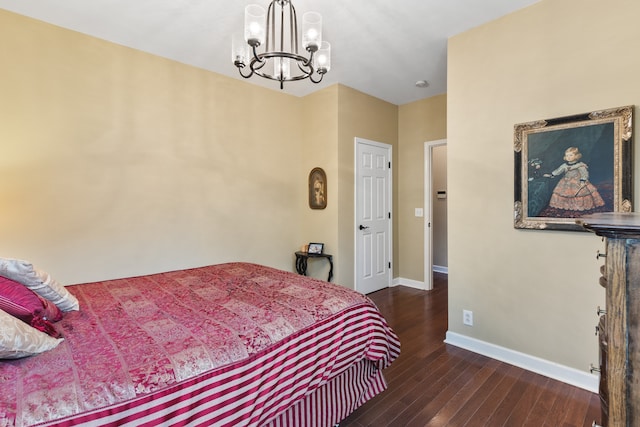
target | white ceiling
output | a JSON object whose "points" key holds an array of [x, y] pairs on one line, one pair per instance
{"points": [[379, 47]]}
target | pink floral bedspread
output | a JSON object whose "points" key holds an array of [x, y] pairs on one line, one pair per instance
{"points": [[138, 336]]}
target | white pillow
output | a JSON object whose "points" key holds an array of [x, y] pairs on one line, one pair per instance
{"points": [[17, 339], [39, 282]]}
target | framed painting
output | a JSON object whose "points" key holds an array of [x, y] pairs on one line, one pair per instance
{"points": [[317, 189], [572, 166]]}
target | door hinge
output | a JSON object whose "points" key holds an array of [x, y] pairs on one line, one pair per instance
{"points": [[389, 265], [389, 215], [389, 165]]}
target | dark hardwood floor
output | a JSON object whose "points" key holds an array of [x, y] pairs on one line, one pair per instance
{"points": [[435, 384]]}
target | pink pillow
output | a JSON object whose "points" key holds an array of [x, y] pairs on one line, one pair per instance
{"points": [[24, 304], [39, 282]]}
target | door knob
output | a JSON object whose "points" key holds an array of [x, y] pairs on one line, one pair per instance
{"points": [[363, 227]]}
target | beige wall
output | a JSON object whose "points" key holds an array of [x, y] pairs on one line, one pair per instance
{"points": [[531, 291], [320, 126], [115, 162], [419, 122]]}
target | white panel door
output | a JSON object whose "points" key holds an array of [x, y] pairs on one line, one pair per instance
{"points": [[373, 216]]}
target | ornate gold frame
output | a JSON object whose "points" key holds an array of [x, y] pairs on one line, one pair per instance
{"points": [[317, 189], [604, 140]]}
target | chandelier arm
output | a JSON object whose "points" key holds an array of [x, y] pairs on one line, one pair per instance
{"points": [[256, 57], [305, 68], [314, 80], [240, 67], [309, 60], [257, 65]]}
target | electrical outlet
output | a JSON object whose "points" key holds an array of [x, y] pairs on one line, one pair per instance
{"points": [[467, 317]]}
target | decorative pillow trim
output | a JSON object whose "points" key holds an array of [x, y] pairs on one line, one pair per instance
{"points": [[51, 311]]}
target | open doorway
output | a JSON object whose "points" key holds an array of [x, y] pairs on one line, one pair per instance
{"points": [[435, 210]]}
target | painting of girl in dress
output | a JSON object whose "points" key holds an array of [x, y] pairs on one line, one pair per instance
{"points": [[574, 173], [574, 192], [573, 166]]}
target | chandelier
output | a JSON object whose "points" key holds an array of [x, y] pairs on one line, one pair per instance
{"points": [[276, 31]]}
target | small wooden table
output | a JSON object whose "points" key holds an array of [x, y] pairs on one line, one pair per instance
{"points": [[303, 257]]}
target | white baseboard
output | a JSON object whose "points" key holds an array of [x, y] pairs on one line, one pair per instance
{"points": [[408, 282], [540, 366], [416, 283], [440, 269]]}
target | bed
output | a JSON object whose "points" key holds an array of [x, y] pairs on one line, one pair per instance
{"points": [[234, 344]]}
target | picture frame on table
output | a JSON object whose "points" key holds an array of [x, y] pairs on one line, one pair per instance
{"points": [[315, 248], [572, 166]]}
